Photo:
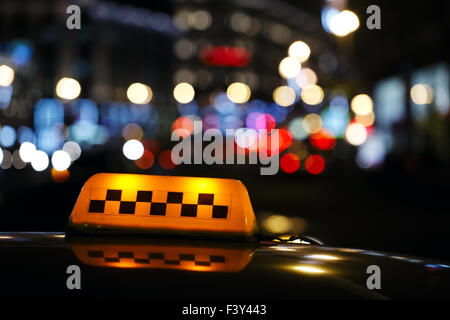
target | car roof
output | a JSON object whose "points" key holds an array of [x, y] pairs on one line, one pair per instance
{"points": [[162, 268]]}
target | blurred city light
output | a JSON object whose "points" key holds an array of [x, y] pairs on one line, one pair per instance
{"points": [[312, 123], [277, 224], [133, 149], [299, 50], [26, 151], [68, 88], [323, 140], [73, 149], [289, 67], [6, 75], [366, 120], [362, 104], [306, 77], [40, 160], [312, 94], [184, 92], [7, 136], [61, 160], [139, 93], [284, 96], [314, 164], [238, 92], [356, 134], [321, 257], [422, 94], [343, 23], [1, 155], [297, 130], [289, 163]]}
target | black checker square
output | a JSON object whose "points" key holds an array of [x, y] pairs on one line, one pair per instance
{"points": [[112, 260], [144, 196], [113, 195], [127, 207], [187, 257], [158, 209], [220, 212], [174, 197], [188, 210], [95, 254], [206, 198], [97, 206]]}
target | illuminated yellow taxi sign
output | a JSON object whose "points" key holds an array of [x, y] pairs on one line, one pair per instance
{"points": [[153, 255], [163, 204]]}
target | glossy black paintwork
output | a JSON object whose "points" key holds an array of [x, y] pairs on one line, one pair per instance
{"points": [[34, 265]]}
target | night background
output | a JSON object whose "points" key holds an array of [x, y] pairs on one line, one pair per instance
{"points": [[364, 122]]}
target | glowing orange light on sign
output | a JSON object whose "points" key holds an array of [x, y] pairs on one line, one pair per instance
{"points": [[163, 204]]}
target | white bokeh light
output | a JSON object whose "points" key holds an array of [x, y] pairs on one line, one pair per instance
{"points": [[61, 160], [73, 149], [26, 151], [133, 149], [40, 161]]}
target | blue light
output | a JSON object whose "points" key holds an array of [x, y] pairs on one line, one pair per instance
{"points": [[21, 53], [7, 136], [83, 132], [188, 108], [223, 105], [327, 14], [25, 134], [49, 139], [5, 96], [278, 112], [86, 110], [335, 120], [48, 112]]}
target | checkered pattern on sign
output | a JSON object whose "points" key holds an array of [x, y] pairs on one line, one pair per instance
{"points": [[160, 203], [158, 258]]}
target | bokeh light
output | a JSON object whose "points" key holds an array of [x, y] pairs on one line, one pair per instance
{"points": [[344, 23], [61, 160], [165, 160], [356, 134], [312, 123], [40, 160], [132, 131], [26, 151], [184, 123], [312, 94], [289, 163], [68, 88], [323, 140], [366, 120], [284, 96], [362, 104], [315, 164], [6, 75], [422, 94], [146, 161], [73, 149], [296, 129], [184, 92], [276, 224], [299, 50], [139, 93], [7, 136], [289, 67], [306, 77], [133, 149], [238, 92]]}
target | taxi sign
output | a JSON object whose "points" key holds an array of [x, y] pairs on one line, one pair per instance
{"points": [[165, 205]]}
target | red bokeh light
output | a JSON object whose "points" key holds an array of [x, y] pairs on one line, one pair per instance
{"points": [[315, 164], [165, 160], [323, 140], [146, 161], [183, 123], [289, 163], [225, 56]]}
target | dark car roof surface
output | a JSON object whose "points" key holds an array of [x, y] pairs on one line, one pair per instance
{"points": [[34, 265]]}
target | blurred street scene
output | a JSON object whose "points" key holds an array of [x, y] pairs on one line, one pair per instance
{"points": [[363, 113]]}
